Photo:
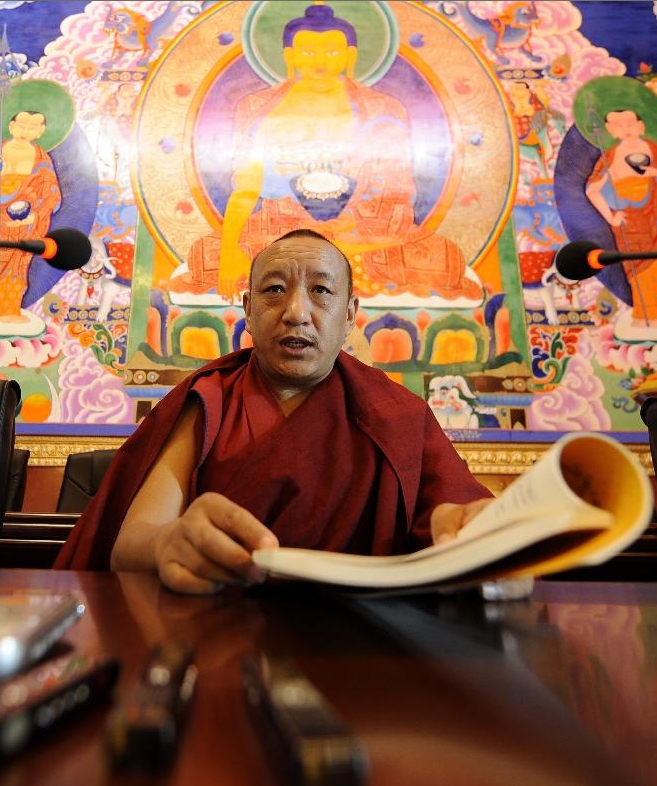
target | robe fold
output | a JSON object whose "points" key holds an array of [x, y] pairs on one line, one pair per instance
{"points": [[357, 467]]}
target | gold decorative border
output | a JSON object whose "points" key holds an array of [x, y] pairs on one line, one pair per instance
{"points": [[491, 458], [48, 451], [483, 458]]}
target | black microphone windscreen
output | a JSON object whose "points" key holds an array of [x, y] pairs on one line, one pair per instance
{"points": [[73, 249], [648, 413], [571, 261]]}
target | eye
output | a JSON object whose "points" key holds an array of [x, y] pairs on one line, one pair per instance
{"points": [[320, 289], [275, 289]]}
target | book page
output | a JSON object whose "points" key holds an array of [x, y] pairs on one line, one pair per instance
{"points": [[543, 506], [556, 484]]}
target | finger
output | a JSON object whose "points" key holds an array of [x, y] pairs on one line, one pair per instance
{"points": [[184, 569], [179, 578], [212, 554], [226, 534], [473, 508], [187, 568], [237, 522], [446, 521]]}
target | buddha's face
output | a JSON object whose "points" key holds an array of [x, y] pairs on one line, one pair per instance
{"points": [[320, 57], [27, 127], [624, 125]]}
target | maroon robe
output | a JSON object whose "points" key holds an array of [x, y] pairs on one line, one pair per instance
{"points": [[357, 467]]}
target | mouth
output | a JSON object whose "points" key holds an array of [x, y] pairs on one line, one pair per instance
{"points": [[296, 343]]}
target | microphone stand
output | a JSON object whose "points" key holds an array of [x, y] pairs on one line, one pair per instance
{"points": [[29, 246], [14, 244]]}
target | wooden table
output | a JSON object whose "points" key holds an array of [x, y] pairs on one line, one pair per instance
{"points": [[560, 689]]}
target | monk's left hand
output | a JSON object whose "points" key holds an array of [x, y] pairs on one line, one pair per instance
{"points": [[448, 518]]}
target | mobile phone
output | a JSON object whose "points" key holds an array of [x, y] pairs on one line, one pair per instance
{"points": [[313, 744], [31, 621], [36, 700]]}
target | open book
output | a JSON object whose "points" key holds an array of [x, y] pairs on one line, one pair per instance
{"points": [[586, 499]]}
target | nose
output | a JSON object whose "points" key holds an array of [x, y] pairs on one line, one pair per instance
{"points": [[297, 307]]}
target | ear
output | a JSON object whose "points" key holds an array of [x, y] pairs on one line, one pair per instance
{"points": [[289, 65], [352, 308], [246, 303], [352, 56]]}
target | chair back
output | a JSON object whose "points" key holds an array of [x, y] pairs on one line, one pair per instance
{"points": [[10, 397], [17, 479], [82, 476]]}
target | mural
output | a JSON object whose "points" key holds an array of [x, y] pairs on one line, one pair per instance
{"points": [[451, 149]]}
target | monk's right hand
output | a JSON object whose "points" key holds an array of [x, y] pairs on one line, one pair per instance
{"points": [[210, 545]]}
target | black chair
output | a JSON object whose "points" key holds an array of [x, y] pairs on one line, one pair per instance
{"points": [[17, 479], [33, 540], [10, 398], [82, 476]]}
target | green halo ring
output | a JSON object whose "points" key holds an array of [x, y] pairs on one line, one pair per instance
{"points": [[608, 94], [41, 95], [375, 24]]}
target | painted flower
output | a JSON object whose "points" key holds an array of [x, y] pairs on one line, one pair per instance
{"points": [[86, 69]]}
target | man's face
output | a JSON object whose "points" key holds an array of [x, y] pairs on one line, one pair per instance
{"points": [[298, 311], [27, 127]]}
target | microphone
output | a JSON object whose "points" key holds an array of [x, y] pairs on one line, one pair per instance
{"points": [[64, 249], [583, 259]]}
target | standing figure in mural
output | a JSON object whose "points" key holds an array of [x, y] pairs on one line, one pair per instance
{"points": [[30, 194], [117, 113], [326, 152], [622, 189], [530, 114]]}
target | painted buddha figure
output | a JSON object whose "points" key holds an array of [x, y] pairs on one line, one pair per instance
{"points": [[323, 151], [29, 196]]}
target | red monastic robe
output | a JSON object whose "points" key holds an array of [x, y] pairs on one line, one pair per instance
{"points": [[357, 467]]}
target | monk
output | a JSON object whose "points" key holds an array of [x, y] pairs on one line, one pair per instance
{"points": [[323, 151], [292, 442]]}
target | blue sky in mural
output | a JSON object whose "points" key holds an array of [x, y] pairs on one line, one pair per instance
{"points": [[625, 29], [26, 37]]}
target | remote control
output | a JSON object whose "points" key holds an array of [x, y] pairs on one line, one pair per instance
{"points": [[313, 743], [143, 730]]}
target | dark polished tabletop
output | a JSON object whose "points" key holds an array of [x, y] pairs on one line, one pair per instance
{"points": [[558, 689]]}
